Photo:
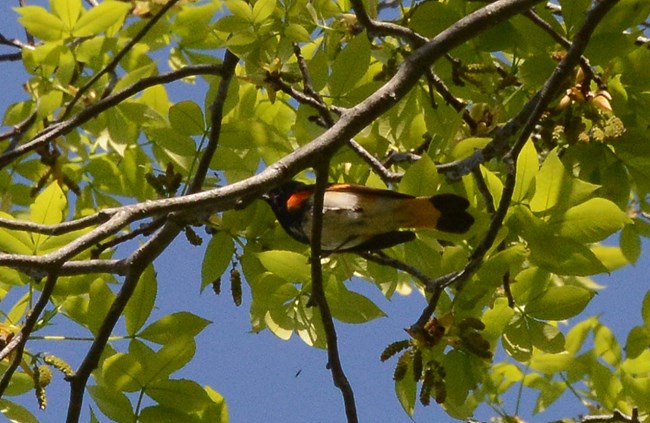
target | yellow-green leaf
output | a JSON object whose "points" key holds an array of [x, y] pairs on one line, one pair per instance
{"points": [[527, 169], [68, 11], [41, 23], [350, 66], [186, 117], [592, 221], [290, 266], [100, 18], [48, 208], [556, 188], [559, 303], [262, 9], [141, 303], [218, 256], [240, 9]]}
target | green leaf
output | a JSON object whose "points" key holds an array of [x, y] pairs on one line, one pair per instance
{"points": [[141, 303], [218, 412], [100, 300], [240, 9], [637, 341], [551, 363], [606, 346], [47, 209], [527, 169], [135, 75], [556, 189], [559, 303], [40, 23], [115, 405], [16, 413], [48, 103], [67, 10], [591, 221], [173, 326], [181, 394], [606, 385], [262, 9], [611, 257], [645, 310], [124, 372], [405, 389], [186, 118], [348, 306], [172, 356], [630, 242], [217, 258], [578, 333], [160, 414], [496, 319], [17, 242], [573, 12], [290, 266], [421, 178], [545, 337], [100, 18], [458, 364], [529, 283], [297, 33], [20, 382], [350, 66], [516, 340]]}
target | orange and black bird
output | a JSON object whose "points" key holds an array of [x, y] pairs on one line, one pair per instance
{"points": [[360, 218]]}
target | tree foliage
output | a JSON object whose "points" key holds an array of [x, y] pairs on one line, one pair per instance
{"points": [[537, 113]]}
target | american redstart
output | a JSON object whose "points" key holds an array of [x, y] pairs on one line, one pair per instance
{"points": [[360, 218]]}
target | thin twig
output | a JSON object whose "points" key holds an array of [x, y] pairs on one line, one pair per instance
{"points": [[216, 117], [451, 100], [26, 331], [319, 298], [382, 258], [584, 62]]}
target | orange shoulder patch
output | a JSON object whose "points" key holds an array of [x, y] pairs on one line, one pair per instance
{"points": [[296, 200]]}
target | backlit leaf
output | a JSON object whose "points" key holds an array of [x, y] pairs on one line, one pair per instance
{"points": [[141, 303], [40, 23], [173, 326], [591, 221], [217, 258], [114, 404], [186, 117], [350, 66], [559, 303], [527, 169], [290, 266], [555, 188], [100, 18]]}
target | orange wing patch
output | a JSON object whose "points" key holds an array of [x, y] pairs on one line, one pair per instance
{"points": [[297, 199]]}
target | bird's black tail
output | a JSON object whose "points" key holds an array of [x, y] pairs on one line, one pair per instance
{"points": [[454, 217]]}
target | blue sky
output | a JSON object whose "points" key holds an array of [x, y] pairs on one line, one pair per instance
{"points": [[266, 379]]}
